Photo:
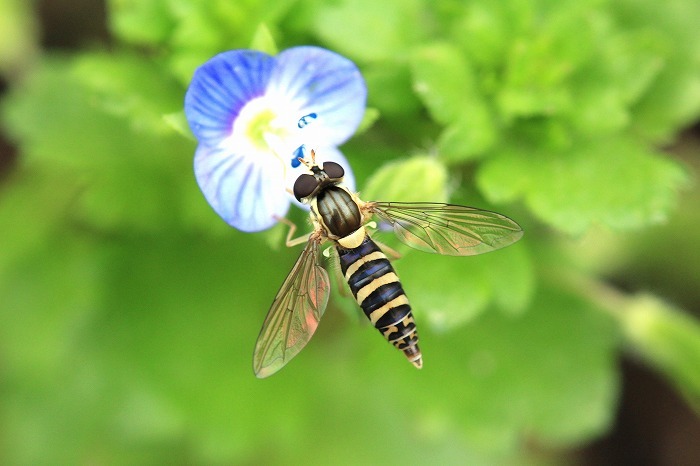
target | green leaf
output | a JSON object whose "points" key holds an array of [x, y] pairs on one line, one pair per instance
{"points": [[509, 378], [263, 40], [95, 330], [43, 309], [416, 179], [614, 182], [448, 292], [446, 82], [633, 60], [135, 172], [612, 83], [672, 99], [163, 357], [130, 87], [52, 87], [370, 31], [390, 90], [142, 22], [596, 100], [668, 339], [49, 297], [368, 119], [178, 122], [19, 46], [469, 137], [33, 204], [189, 32], [551, 46], [444, 79], [483, 30]]}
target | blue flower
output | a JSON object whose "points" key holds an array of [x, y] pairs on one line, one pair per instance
{"points": [[253, 113]]}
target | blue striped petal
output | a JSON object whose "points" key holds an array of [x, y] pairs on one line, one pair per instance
{"points": [[247, 192], [316, 80], [221, 87], [250, 111]]}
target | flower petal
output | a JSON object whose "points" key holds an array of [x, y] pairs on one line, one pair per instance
{"points": [[247, 192], [221, 87], [316, 80]]}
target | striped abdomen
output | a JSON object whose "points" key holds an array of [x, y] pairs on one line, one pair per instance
{"points": [[378, 291]]}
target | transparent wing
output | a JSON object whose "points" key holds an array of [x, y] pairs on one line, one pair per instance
{"points": [[448, 229], [295, 313]]}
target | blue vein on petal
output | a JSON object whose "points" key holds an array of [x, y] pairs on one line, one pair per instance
{"points": [[213, 105], [245, 85], [242, 189], [215, 168], [318, 61], [252, 69], [314, 81], [238, 91], [209, 105], [225, 94], [225, 174], [246, 91], [300, 71], [337, 87], [258, 189], [338, 104]]}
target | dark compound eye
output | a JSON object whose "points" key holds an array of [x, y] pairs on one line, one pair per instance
{"points": [[333, 170], [304, 186]]}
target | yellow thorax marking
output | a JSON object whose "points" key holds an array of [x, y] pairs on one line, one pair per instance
{"points": [[354, 239]]}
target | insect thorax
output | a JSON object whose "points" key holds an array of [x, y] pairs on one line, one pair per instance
{"points": [[338, 211]]}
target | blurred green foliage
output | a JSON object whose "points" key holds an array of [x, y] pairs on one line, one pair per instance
{"points": [[19, 44], [129, 310]]}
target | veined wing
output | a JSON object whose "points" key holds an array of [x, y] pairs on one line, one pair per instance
{"points": [[295, 313], [448, 229]]}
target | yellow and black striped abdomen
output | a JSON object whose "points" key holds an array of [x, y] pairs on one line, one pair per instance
{"points": [[378, 291]]}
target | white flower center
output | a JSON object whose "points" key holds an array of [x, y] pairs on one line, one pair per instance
{"points": [[267, 127]]}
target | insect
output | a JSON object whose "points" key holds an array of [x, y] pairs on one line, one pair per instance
{"points": [[341, 217]]}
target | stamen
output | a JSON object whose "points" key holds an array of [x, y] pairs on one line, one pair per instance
{"points": [[306, 119], [298, 155]]}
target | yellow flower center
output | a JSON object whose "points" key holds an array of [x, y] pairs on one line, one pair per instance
{"points": [[263, 127], [257, 128]]}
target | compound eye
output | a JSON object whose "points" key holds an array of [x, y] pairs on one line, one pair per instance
{"points": [[333, 170], [304, 186]]}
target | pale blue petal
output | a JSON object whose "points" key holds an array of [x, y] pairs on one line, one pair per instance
{"points": [[247, 192], [316, 80], [221, 87]]}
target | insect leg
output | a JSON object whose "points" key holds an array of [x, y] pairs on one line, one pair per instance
{"points": [[389, 251], [341, 283], [289, 242]]}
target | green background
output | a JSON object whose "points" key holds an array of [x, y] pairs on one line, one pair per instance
{"points": [[129, 309]]}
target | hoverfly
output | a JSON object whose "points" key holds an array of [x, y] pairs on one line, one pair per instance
{"points": [[340, 216]]}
